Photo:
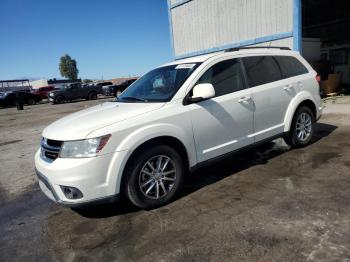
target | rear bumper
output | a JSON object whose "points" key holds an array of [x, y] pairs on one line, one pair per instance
{"points": [[319, 112]]}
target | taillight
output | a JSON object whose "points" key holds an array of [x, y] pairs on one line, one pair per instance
{"points": [[318, 78]]}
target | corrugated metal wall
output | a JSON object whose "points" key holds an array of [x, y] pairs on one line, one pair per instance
{"points": [[205, 25]]}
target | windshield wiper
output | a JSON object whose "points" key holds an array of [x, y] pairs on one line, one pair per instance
{"points": [[131, 98]]}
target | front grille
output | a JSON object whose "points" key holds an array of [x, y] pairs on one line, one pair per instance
{"points": [[50, 149]]}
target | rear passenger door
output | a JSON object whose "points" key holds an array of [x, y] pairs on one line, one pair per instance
{"points": [[271, 94], [223, 123], [295, 72]]}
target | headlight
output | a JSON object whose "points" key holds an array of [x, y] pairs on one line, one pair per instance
{"points": [[51, 94], [83, 148]]}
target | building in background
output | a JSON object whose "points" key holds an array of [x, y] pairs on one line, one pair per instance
{"points": [[52, 82], [14, 85], [319, 29]]}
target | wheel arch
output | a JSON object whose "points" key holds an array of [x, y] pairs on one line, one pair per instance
{"points": [[171, 141], [92, 92], [297, 102]]}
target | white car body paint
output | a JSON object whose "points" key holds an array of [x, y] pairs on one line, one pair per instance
{"points": [[207, 130]]}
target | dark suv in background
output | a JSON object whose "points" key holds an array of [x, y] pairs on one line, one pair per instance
{"points": [[72, 92], [99, 86], [8, 98], [116, 90]]}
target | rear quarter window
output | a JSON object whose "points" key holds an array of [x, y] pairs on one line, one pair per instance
{"points": [[291, 66], [261, 70]]}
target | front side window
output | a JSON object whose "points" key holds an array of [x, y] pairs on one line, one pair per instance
{"points": [[291, 66], [158, 85], [226, 77], [261, 70]]}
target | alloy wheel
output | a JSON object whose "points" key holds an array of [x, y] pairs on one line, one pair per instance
{"points": [[157, 177], [303, 126]]}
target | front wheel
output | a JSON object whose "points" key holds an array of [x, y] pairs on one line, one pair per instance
{"points": [[154, 177], [302, 128], [59, 100]]}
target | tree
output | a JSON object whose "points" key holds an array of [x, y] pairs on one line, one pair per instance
{"points": [[68, 67], [86, 81]]}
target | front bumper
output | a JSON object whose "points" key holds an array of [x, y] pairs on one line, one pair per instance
{"points": [[95, 177]]}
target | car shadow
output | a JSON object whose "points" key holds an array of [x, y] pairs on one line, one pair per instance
{"points": [[213, 173]]}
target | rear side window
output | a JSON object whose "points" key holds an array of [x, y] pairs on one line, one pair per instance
{"points": [[261, 70], [225, 76], [291, 66]]}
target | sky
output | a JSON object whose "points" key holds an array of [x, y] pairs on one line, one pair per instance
{"points": [[107, 38]]}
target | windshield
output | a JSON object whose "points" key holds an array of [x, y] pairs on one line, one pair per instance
{"points": [[158, 85]]}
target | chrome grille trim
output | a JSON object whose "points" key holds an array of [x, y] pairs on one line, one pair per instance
{"points": [[48, 150]]}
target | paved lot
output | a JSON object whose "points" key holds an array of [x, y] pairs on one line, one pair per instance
{"points": [[267, 204]]}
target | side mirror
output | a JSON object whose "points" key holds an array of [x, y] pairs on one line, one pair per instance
{"points": [[202, 92]]}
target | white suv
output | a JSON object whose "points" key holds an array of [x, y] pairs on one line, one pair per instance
{"points": [[174, 119]]}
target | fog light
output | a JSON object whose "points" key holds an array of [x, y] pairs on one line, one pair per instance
{"points": [[71, 192]]}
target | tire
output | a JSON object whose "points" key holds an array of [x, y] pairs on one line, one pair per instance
{"points": [[139, 172], [302, 128], [59, 100], [31, 101], [92, 96]]}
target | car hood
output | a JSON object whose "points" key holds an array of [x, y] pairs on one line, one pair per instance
{"points": [[80, 124]]}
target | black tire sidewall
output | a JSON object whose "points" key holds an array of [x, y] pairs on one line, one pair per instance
{"points": [[132, 189], [92, 96], [294, 137], [59, 100], [31, 101]]}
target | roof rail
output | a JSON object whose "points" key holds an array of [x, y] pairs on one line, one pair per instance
{"points": [[257, 47]]}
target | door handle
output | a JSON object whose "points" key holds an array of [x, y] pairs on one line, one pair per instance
{"points": [[244, 99]]}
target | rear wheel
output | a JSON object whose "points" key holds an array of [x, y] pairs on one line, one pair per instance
{"points": [[302, 128], [154, 177], [31, 101], [92, 96]]}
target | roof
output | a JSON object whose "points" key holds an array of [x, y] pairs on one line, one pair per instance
{"points": [[194, 59], [259, 50], [62, 81], [13, 81]]}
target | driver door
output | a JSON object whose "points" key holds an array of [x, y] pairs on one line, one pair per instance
{"points": [[223, 124], [74, 91]]}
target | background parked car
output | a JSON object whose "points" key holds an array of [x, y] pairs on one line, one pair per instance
{"points": [[42, 91], [116, 90], [99, 86], [72, 92], [9, 98]]}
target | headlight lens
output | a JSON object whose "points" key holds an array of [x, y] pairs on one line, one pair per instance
{"points": [[83, 148]]}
